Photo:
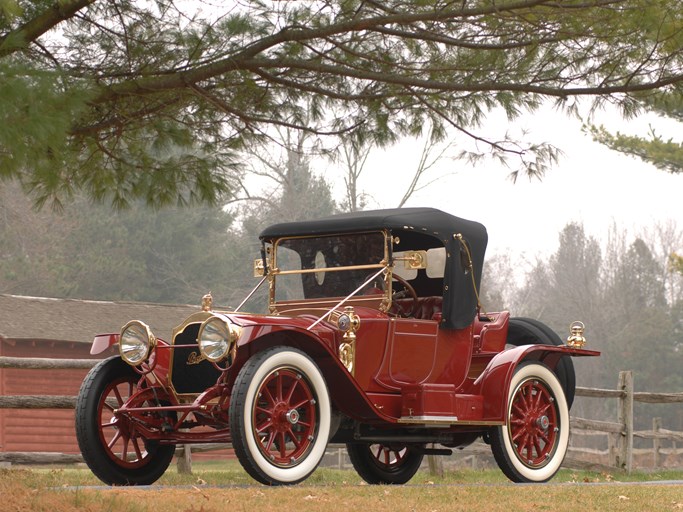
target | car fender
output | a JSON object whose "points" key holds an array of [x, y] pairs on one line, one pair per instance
{"points": [[102, 342], [494, 382], [344, 391]]}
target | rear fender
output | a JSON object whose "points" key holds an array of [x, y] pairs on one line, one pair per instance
{"points": [[494, 382]]}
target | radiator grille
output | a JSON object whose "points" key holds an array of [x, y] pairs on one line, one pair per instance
{"points": [[190, 378]]}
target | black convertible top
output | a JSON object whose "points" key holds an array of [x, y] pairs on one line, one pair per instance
{"points": [[460, 301]]}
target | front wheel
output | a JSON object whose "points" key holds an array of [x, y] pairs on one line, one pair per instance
{"points": [[393, 463], [280, 416], [533, 443], [110, 444]]}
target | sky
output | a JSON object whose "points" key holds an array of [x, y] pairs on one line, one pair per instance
{"points": [[590, 184]]}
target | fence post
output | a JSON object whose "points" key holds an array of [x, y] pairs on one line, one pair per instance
{"points": [[184, 462], [656, 442], [435, 464], [613, 449], [626, 419]]}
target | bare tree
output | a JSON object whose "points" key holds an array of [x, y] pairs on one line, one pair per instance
{"points": [[666, 240], [354, 157], [280, 184]]}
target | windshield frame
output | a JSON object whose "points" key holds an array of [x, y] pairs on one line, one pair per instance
{"points": [[381, 300]]}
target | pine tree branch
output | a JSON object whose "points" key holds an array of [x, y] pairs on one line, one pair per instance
{"points": [[27, 33], [155, 84], [251, 120]]}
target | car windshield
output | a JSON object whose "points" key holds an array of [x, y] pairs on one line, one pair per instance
{"points": [[328, 266]]}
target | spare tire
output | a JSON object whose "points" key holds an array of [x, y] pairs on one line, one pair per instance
{"points": [[529, 331]]}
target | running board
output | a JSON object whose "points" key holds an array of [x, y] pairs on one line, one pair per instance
{"points": [[445, 421]]}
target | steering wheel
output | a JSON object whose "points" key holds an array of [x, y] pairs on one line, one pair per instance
{"points": [[408, 291]]}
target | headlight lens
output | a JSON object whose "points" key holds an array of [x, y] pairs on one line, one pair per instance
{"points": [[136, 342], [216, 337]]}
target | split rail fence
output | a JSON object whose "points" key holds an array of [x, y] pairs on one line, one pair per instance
{"points": [[620, 433]]}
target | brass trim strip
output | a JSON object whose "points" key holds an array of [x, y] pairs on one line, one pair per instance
{"points": [[445, 420], [325, 303], [369, 266]]}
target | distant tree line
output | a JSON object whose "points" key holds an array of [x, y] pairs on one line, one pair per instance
{"points": [[169, 255], [626, 291], [93, 252]]}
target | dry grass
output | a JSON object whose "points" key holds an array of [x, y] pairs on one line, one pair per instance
{"points": [[61, 491]]}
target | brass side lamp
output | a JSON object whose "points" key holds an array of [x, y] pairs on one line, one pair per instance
{"points": [[576, 338]]}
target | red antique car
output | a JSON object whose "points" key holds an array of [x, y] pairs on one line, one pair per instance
{"points": [[374, 337]]}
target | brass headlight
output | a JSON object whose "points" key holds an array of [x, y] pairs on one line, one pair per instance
{"points": [[136, 342], [216, 337]]}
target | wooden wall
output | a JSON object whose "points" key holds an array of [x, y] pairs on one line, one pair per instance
{"points": [[49, 430], [40, 430]]}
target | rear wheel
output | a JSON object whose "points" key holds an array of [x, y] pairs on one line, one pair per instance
{"points": [[393, 463], [529, 331], [111, 445], [280, 416], [533, 443]]}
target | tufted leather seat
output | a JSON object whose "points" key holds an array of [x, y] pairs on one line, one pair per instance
{"points": [[428, 308]]}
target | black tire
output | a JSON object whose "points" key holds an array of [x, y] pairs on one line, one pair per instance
{"points": [[532, 444], [280, 416], [529, 331], [101, 436], [389, 464]]}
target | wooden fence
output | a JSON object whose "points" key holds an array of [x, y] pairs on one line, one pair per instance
{"points": [[620, 433]]}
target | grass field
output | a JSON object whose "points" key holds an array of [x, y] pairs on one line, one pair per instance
{"points": [[225, 487]]}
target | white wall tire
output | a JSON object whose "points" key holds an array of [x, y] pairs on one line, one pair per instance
{"points": [[280, 416], [532, 444]]}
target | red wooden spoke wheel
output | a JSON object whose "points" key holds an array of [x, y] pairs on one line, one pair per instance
{"points": [[388, 457], [112, 447], [394, 463], [285, 417], [280, 416], [533, 443], [534, 423], [118, 436]]}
